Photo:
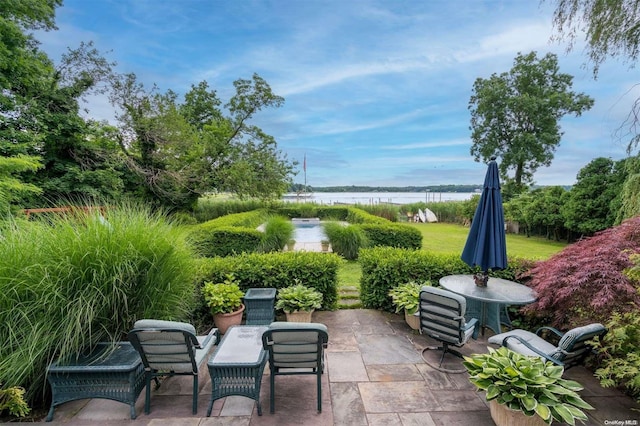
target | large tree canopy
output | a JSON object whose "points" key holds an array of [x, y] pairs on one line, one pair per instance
{"points": [[515, 115], [179, 150]]}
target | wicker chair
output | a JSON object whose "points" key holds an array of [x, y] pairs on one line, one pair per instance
{"points": [[170, 348], [295, 348], [571, 349]]}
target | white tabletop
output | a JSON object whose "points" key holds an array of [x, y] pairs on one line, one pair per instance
{"points": [[497, 290]]}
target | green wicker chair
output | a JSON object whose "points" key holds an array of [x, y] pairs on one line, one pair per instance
{"points": [[295, 348], [572, 347], [169, 348]]}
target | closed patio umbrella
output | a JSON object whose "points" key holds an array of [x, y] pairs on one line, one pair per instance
{"points": [[486, 246]]}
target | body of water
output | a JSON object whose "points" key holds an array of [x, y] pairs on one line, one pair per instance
{"points": [[372, 198]]}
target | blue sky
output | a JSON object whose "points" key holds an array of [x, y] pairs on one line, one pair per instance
{"points": [[376, 92]]}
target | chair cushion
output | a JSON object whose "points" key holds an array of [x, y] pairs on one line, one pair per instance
{"points": [[531, 338], [283, 325], [295, 345], [162, 324], [585, 332]]}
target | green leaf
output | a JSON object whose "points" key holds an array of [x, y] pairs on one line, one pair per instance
{"points": [[544, 412], [578, 402], [565, 414], [529, 402], [492, 392]]}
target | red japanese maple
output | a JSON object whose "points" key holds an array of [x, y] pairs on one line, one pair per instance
{"points": [[585, 282]]}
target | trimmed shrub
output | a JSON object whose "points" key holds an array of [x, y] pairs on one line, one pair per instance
{"points": [[225, 241], [357, 215], [276, 270], [211, 208], [79, 280], [386, 211], [347, 240], [393, 235], [251, 219], [384, 268]]}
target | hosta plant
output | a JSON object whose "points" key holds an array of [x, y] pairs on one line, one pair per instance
{"points": [[527, 384], [405, 296], [298, 298]]}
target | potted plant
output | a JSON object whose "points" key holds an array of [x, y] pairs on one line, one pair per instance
{"points": [[298, 302], [225, 301], [405, 297], [291, 244], [325, 245], [525, 390]]}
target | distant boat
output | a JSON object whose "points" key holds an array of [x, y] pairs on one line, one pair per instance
{"points": [[298, 196]]}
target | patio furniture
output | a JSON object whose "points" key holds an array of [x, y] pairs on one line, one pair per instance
{"points": [[259, 306], [572, 347], [169, 348], [105, 372], [295, 348], [442, 318], [489, 303], [237, 365]]}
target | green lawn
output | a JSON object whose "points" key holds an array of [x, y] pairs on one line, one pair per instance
{"points": [[450, 238]]}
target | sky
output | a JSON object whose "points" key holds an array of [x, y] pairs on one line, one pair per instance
{"points": [[376, 91]]}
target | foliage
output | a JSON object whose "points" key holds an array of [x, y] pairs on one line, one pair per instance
{"points": [[224, 297], [249, 219], [611, 30], [346, 240], [278, 270], [584, 282], [527, 384], [13, 189], [357, 215], [384, 268], [277, 232], [298, 298], [515, 115], [588, 206], [12, 400], [392, 235], [225, 241], [405, 297], [179, 150], [78, 280], [630, 193], [386, 211], [209, 208], [619, 353]]}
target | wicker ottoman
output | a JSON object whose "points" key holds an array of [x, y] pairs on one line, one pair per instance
{"points": [[259, 303], [119, 376]]}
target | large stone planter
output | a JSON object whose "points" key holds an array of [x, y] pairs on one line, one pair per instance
{"points": [[505, 416], [224, 321], [299, 316]]}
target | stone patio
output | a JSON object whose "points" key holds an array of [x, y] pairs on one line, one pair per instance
{"points": [[375, 375]]}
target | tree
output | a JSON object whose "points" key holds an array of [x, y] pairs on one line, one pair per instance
{"points": [[611, 29], [630, 193], [515, 115], [179, 150], [546, 210], [585, 282], [591, 202]]}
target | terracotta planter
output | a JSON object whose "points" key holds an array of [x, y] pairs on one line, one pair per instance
{"points": [[505, 416], [224, 321], [412, 320], [299, 316]]}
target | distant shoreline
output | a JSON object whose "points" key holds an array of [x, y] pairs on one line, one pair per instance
{"points": [[378, 189]]}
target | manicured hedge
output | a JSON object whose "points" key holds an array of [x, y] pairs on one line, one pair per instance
{"points": [[384, 268], [357, 215], [225, 241], [277, 270], [393, 235]]}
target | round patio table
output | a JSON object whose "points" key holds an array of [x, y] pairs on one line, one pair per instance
{"points": [[490, 300]]}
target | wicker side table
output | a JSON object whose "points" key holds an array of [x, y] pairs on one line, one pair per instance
{"points": [[119, 376], [259, 303], [237, 365]]}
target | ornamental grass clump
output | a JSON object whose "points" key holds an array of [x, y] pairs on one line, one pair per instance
{"points": [[527, 384], [73, 281]]}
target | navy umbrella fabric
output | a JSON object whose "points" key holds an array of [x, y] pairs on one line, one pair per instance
{"points": [[486, 246]]}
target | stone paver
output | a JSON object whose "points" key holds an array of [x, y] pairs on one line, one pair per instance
{"points": [[375, 375]]}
